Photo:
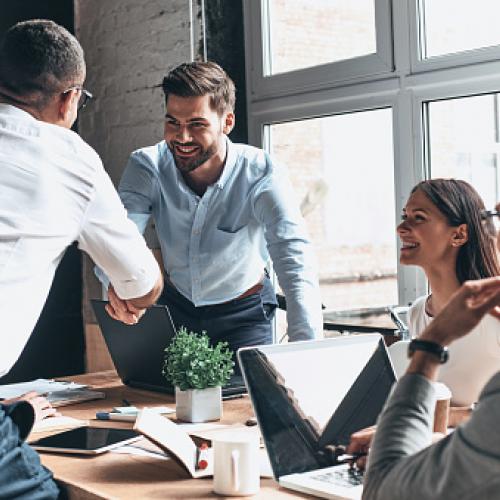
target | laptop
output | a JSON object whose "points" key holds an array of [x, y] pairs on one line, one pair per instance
{"points": [[309, 397], [138, 351]]}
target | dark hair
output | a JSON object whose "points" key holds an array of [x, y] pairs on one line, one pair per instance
{"points": [[460, 203], [196, 79], [39, 58]]}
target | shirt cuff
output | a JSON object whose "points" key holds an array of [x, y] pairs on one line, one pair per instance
{"points": [[23, 416]]}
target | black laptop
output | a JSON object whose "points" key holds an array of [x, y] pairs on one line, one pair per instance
{"points": [[138, 351]]}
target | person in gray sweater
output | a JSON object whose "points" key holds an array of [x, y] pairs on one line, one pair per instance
{"points": [[466, 464]]}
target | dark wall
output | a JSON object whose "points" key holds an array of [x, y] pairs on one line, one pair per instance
{"points": [[226, 46], [56, 346]]}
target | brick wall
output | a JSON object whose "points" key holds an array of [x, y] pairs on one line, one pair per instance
{"points": [[129, 46]]}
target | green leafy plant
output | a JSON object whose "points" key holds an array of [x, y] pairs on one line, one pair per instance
{"points": [[192, 363]]}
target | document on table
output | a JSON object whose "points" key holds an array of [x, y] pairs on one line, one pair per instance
{"points": [[58, 393], [41, 385]]}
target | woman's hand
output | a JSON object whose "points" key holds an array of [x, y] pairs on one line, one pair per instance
{"points": [[41, 405]]}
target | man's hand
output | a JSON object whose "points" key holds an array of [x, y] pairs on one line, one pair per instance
{"points": [[360, 443], [122, 310], [466, 308], [41, 405]]}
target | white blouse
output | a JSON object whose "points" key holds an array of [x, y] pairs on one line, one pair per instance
{"points": [[474, 359]]}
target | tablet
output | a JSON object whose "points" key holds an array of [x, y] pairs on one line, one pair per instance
{"points": [[86, 440]]}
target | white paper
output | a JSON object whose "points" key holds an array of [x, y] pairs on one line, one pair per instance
{"points": [[172, 439], [41, 385], [61, 422]]}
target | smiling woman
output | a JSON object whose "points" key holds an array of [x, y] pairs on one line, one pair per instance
{"points": [[443, 233]]}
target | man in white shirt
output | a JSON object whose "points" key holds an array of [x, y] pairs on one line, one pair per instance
{"points": [[53, 191]]}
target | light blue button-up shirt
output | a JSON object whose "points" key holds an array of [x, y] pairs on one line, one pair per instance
{"points": [[215, 247]]}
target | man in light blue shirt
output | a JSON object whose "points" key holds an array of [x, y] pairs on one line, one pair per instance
{"points": [[220, 210]]}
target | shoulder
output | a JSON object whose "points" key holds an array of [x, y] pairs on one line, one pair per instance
{"points": [[68, 142], [417, 317], [151, 157], [257, 162]]}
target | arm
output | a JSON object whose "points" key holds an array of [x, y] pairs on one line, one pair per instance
{"points": [[292, 255], [400, 465], [116, 246]]}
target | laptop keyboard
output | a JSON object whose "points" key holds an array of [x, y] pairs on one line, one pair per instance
{"points": [[346, 477]]}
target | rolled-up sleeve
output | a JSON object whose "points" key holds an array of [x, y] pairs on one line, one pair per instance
{"points": [[114, 243]]}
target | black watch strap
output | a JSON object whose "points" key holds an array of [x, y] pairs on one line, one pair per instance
{"points": [[438, 350]]}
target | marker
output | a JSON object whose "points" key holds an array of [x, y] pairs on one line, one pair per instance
{"points": [[202, 456], [129, 413], [123, 417]]}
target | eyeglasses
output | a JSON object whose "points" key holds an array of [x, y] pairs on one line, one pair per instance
{"points": [[494, 215], [85, 96]]}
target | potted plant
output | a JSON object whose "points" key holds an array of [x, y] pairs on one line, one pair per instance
{"points": [[197, 370]]}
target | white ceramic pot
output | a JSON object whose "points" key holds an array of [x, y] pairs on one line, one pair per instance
{"points": [[198, 405]]}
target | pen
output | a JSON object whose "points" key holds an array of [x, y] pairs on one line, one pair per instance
{"points": [[350, 457], [104, 415]]}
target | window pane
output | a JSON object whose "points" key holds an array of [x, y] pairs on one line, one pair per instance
{"points": [[451, 26], [464, 142], [302, 33], [342, 171]]}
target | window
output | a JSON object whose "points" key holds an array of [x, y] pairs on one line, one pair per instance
{"points": [[332, 30], [342, 171], [464, 142], [413, 94], [293, 44], [449, 26]]}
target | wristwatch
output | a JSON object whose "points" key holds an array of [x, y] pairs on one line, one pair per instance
{"points": [[438, 350]]}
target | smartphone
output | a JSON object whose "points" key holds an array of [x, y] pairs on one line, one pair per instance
{"points": [[86, 440]]}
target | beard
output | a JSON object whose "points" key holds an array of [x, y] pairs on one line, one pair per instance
{"points": [[186, 165]]}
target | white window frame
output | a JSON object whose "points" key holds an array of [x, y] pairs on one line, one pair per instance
{"points": [[455, 59], [406, 88], [321, 76]]}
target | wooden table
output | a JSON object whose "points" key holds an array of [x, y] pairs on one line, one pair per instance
{"points": [[117, 476]]}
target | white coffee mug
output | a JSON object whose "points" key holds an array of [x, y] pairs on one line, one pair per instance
{"points": [[236, 465]]}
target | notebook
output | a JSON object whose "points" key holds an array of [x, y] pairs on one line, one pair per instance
{"points": [[309, 397], [138, 351]]}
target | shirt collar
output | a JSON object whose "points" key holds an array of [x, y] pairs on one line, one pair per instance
{"points": [[12, 110], [231, 157]]}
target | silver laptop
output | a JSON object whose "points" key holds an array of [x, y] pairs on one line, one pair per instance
{"points": [[309, 397]]}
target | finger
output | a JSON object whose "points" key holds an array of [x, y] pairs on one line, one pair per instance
{"points": [[486, 301], [118, 304], [361, 463], [111, 312], [123, 316], [48, 412], [495, 312], [473, 287]]}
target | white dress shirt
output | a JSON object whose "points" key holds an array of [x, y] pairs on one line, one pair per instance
{"points": [[53, 191]]}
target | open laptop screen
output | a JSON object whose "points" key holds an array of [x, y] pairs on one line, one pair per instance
{"points": [[307, 395]]}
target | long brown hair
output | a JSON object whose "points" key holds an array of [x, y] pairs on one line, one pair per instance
{"points": [[460, 203]]}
